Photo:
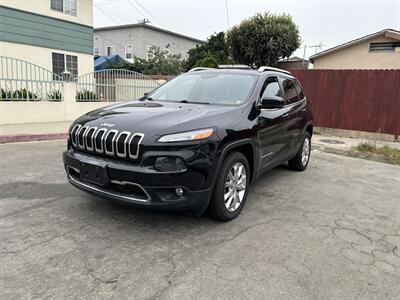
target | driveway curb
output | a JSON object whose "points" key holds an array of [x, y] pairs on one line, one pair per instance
{"points": [[32, 137]]}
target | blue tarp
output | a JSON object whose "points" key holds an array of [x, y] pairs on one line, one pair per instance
{"points": [[100, 62]]}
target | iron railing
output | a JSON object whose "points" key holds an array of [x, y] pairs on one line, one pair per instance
{"points": [[113, 85], [24, 81]]}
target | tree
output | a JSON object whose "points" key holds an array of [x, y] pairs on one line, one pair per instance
{"points": [[160, 63], [263, 39], [215, 47], [208, 61]]}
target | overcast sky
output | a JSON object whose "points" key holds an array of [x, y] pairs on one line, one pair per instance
{"points": [[330, 22]]}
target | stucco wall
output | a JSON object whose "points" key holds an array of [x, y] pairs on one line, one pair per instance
{"points": [[43, 56], [359, 57], [84, 13], [139, 38]]}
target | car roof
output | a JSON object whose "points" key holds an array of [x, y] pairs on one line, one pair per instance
{"points": [[242, 71]]}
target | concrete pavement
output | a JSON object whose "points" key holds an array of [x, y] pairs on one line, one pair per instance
{"points": [[331, 232]]}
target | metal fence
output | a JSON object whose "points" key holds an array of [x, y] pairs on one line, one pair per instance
{"points": [[113, 85], [23, 81]]}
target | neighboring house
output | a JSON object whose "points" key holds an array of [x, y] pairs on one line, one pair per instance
{"points": [[53, 34], [380, 50], [292, 63], [140, 40]]}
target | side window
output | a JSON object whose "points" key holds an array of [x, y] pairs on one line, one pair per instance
{"points": [[289, 90], [299, 90], [271, 87]]}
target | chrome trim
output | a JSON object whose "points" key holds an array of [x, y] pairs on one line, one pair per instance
{"points": [[83, 136], [132, 183], [135, 156], [125, 143], [100, 190], [112, 142], [86, 139], [102, 144], [74, 135]]}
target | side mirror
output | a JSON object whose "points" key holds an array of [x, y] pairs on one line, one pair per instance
{"points": [[271, 102], [145, 94]]}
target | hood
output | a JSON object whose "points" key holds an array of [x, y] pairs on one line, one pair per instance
{"points": [[160, 118]]}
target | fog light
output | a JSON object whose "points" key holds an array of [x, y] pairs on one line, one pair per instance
{"points": [[179, 191], [169, 164]]}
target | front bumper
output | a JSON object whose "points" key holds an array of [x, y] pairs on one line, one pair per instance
{"points": [[141, 186]]}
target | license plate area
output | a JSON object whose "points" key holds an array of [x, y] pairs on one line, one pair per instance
{"points": [[94, 172]]}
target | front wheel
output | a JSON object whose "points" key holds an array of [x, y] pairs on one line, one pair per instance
{"points": [[231, 187], [300, 161]]}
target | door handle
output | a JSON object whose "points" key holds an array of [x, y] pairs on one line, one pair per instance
{"points": [[285, 115]]}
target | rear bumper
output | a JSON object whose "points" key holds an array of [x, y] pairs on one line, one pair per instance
{"points": [[138, 186]]}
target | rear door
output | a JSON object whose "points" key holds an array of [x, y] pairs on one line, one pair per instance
{"points": [[293, 116]]}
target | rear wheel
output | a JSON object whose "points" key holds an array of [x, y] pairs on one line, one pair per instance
{"points": [[231, 187], [300, 161]]}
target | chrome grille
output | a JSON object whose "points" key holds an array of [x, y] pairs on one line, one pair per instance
{"points": [[122, 144]]}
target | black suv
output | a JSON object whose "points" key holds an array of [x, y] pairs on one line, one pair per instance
{"points": [[195, 143]]}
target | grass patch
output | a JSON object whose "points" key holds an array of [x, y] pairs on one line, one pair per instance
{"points": [[391, 154]]}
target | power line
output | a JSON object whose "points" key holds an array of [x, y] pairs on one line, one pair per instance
{"points": [[135, 8]]}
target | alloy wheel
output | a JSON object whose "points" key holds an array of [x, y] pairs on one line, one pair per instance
{"points": [[235, 186]]}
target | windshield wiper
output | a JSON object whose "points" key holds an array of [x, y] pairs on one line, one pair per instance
{"points": [[194, 102]]}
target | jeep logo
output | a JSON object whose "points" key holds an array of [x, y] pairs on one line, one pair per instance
{"points": [[107, 125]]}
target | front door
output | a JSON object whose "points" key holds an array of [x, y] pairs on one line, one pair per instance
{"points": [[272, 126]]}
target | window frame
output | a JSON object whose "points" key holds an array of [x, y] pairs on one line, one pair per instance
{"points": [[65, 64], [282, 79], [148, 52], [297, 84], [264, 86], [126, 52], [63, 10], [111, 47]]}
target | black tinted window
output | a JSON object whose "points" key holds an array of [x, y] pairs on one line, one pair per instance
{"points": [[299, 90], [289, 90], [271, 88]]}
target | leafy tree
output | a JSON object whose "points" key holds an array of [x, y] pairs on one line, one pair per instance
{"points": [[207, 61], [215, 47], [161, 63], [263, 39]]}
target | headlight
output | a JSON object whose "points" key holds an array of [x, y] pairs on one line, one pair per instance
{"points": [[187, 136]]}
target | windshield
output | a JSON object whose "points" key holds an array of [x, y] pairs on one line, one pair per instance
{"points": [[210, 88]]}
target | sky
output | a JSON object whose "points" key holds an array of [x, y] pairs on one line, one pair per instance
{"points": [[324, 22]]}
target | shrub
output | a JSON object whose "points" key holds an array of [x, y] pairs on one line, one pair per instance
{"points": [[86, 95]]}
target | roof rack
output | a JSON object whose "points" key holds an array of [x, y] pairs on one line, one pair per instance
{"points": [[200, 69], [234, 67], [266, 68]]}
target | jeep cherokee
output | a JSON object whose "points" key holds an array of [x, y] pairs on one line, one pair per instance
{"points": [[194, 143]]}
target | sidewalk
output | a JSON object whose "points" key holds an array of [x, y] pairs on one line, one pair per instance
{"points": [[341, 145]]}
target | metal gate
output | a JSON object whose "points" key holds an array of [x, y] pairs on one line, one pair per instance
{"points": [[24, 81], [113, 85]]}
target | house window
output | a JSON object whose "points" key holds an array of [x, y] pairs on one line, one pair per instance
{"points": [[151, 50], [385, 46], [62, 62], [110, 50], [128, 52], [65, 6]]}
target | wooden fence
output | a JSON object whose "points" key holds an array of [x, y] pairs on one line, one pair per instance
{"points": [[364, 100]]}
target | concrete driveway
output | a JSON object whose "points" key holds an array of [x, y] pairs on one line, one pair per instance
{"points": [[331, 232]]}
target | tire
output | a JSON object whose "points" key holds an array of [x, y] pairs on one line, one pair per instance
{"points": [[300, 162], [233, 163]]}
